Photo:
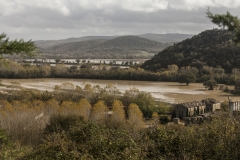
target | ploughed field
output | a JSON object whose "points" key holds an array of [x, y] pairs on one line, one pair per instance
{"points": [[171, 92]]}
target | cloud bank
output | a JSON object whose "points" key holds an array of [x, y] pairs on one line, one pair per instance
{"points": [[58, 19]]}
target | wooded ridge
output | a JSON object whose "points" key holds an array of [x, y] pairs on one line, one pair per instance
{"points": [[211, 47]]}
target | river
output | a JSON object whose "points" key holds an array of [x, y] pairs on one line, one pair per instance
{"points": [[171, 92]]}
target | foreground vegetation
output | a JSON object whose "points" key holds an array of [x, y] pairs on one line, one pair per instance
{"points": [[59, 125]]}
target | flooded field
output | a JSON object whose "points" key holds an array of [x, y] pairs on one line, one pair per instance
{"points": [[107, 61], [172, 92]]}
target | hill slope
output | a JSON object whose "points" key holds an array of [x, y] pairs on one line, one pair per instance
{"points": [[212, 47], [120, 47], [131, 42], [50, 43], [166, 38]]}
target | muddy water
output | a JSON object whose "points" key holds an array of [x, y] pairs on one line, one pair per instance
{"points": [[172, 92], [107, 61]]}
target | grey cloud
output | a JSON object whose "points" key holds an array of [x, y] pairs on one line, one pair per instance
{"points": [[47, 23]]}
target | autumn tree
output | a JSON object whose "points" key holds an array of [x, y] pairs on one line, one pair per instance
{"points": [[68, 107], [135, 117], [99, 112], [59, 70], [84, 108], [51, 106], [173, 67], [117, 117], [45, 71]]}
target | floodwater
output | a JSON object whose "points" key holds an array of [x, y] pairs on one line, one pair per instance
{"points": [[171, 92], [107, 61]]}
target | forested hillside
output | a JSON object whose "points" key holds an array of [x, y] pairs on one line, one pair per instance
{"points": [[50, 43], [166, 38], [212, 48]]}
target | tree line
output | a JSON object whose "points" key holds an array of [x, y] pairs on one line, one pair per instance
{"points": [[173, 73], [70, 92]]}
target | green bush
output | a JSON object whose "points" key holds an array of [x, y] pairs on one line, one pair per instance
{"points": [[7, 149], [164, 119], [70, 137]]}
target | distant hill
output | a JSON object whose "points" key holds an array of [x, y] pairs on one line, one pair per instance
{"points": [[50, 43], [212, 47], [166, 38], [132, 42], [120, 47]]}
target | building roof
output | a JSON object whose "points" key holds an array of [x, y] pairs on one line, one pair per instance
{"points": [[210, 101], [191, 104]]}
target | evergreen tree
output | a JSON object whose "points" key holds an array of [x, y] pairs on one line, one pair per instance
{"points": [[226, 20], [16, 46]]}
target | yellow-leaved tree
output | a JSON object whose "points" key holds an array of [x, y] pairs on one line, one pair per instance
{"points": [[84, 108], [51, 107], [99, 112], [117, 118], [135, 117]]}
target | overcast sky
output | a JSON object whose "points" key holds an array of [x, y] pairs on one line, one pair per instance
{"points": [[59, 19]]}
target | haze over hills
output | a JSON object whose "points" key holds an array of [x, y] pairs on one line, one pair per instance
{"points": [[50, 43], [120, 47], [144, 46], [164, 38], [212, 48]]}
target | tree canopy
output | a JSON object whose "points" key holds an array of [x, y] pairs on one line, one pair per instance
{"points": [[210, 84], [226, 20], [16, 46]]}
